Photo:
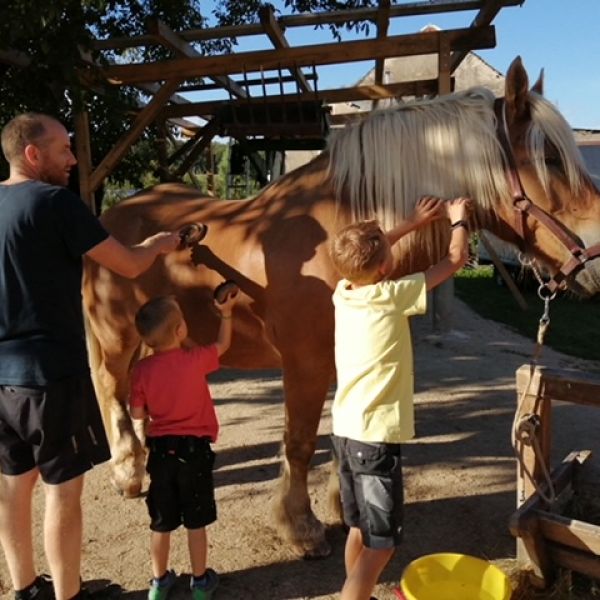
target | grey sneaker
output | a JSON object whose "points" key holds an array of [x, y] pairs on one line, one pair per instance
{"points": [[205, 589], [160, 588]]}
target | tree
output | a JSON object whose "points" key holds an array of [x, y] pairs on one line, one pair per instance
{"points": [[43, 43]]}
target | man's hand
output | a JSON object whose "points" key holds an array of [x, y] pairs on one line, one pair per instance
{"points": [[427, 209], [162, 242]]}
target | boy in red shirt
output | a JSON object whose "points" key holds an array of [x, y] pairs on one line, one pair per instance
{"points": [[170, 388]]}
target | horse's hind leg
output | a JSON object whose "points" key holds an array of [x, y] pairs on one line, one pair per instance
{"points": [[305, 391]]}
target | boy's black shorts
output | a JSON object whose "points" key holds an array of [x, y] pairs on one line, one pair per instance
{"points": [[371, 490], [181, 483], [56, 428]]}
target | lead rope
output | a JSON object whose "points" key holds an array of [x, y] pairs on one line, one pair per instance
{"points": [[525, 427]]}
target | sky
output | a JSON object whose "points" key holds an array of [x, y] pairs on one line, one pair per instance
{"points": [[560, 36]]}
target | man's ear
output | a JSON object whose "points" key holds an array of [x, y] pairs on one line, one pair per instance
{"points": [[32, 154]]}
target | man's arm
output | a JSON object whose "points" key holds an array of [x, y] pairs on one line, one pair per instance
{"points": [[132, 261], [427, 209]]}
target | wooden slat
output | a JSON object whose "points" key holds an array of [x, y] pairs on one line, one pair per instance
{"points": [[575, 560], [341, 17], [143, 119], [570, 532], [353, 94], [403, 45], [562, 476], [556, 384]]}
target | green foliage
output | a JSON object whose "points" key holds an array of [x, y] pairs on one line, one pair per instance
{"points": [[571, 319]]}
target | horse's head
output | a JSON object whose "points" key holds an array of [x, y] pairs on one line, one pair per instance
{"points": [[555, 210]]}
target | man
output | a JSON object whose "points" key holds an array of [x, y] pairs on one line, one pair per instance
{"points": [[50, 424]]}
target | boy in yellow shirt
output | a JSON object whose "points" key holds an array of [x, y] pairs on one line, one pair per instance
{"points": [[373, 406]]}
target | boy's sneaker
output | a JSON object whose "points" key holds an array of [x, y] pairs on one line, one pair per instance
{"points": [[160, 588], [40, 589], [204, 588]]}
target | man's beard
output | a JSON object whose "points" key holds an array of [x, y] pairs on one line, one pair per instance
{"points": [[55, 177]]}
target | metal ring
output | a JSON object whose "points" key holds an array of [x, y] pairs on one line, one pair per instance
{"points": [[544, 292]]}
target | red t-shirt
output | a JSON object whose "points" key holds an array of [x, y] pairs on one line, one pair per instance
{"points": [[172, 387]]}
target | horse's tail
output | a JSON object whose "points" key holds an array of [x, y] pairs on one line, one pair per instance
{"points": [[95, 360]]}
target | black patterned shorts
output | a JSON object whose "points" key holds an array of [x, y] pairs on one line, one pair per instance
{"points": [[56, 428], [181, 483], [371, 490]]}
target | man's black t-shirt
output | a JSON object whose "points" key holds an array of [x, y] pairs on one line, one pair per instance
{"points": [[44, 232]]}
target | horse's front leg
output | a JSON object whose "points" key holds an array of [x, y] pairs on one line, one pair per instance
{"points": [[305, 388], [127, 451]]}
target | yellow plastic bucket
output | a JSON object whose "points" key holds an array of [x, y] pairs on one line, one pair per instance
{"points": [[450, 576]]}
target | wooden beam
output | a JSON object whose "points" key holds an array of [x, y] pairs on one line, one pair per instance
{"points": [[425, 7], [168, 38], [353, 94], [15, 58], [208, 132], [427, 42], [277, 37], [566, 386], [484, 17], [143, 119], [383, 23], [84, 158]]}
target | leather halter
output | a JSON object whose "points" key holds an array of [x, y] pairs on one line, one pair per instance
{"points": [[525, 207]]}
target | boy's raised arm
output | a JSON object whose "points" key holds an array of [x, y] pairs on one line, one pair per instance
{"points": [[427, 209]]}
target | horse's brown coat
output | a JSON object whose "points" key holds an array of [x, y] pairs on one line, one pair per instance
{"points": [[275, 247]]}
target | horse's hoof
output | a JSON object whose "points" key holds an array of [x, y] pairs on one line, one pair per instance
{"points": [[133, 490], [317, 552]]}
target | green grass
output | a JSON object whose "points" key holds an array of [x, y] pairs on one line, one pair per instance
{"points": [[574, 323]]}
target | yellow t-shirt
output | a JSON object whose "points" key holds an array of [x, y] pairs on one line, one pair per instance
{"points": [[374, 360]]}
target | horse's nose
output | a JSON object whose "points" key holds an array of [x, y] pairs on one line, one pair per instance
{"points": [[192, 234]]}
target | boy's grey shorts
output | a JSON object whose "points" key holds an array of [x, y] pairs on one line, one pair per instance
{"points": [[371, 490], [56, 428]]}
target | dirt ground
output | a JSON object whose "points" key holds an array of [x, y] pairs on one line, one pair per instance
{"points": [[459, 474]]}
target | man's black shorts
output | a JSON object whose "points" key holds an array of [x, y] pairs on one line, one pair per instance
{"points": [[56, 428], [371, 490], [181, 483]]}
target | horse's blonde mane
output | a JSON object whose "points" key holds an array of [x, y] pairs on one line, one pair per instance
{"points": [[549, 126], [446, 146]]}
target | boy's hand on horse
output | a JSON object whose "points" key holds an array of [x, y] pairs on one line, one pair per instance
{"points": [[458, 209], [427, 209]]}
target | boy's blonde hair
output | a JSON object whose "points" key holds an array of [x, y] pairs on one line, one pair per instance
{"points": [[156, 320], [358, 250]]}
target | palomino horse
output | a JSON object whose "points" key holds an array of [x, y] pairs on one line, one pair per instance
{"points": [[275, 247]]}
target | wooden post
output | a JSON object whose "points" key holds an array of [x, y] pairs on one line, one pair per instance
{"points": [[444, 82], [83, 153], [533, 406]]}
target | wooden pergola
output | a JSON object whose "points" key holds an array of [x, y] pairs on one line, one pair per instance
{"points": [[252, 115]]}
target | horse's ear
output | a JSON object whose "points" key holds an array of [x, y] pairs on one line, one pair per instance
{"points": [[538, 86], [517, 91]]}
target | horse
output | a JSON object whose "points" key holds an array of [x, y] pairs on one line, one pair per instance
{"points": [[515, 157]]}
